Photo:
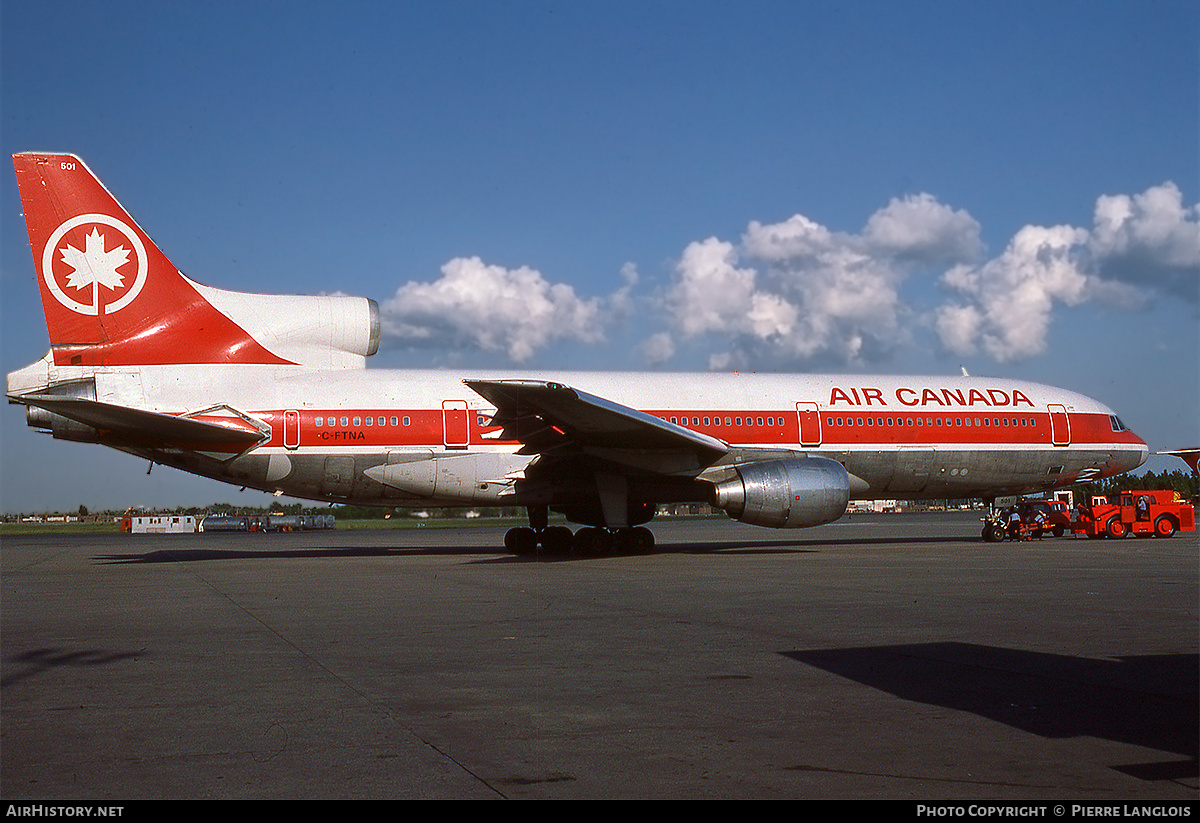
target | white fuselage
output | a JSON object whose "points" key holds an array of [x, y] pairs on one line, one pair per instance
{"points": [[909, 436]]}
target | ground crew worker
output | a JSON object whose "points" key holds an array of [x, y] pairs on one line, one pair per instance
{"points": [[1143, 507]]}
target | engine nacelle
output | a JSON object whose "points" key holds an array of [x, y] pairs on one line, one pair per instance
{"points": [[326, 331], [786, 494], [60, 427]]}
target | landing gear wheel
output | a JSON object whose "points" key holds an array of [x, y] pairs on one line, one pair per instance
{"points": [[521, 540], [591, 540], [993, 533], [635, 541], [556, 539]]}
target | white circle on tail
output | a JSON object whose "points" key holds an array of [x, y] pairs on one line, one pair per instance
{"points": [[95, 267]]}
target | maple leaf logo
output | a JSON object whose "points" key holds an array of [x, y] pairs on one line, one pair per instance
{"points": [[94, 265], [65, 267]]}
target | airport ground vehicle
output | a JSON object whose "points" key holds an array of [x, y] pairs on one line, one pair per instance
{"points": [[159, 524], [265, 523], [1055, 516], [1035, 518], [1158, 513]]}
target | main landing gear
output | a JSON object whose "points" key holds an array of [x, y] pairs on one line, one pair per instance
{"points": [[590, 540]]}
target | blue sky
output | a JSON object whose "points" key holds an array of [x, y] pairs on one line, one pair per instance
{"points": [[775, 186]]}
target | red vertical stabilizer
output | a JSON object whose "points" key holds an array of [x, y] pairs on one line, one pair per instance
{"points": [[110, 296]]}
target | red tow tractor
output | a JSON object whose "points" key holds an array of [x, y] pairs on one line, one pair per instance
{"points": [[1158, 513]]}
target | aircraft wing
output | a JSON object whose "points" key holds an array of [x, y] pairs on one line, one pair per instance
{"points": [[138, 427], [1189, 456], [552, 419]]}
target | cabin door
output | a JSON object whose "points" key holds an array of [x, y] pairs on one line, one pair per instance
{"points": [[810, 424], [1060, 425], [455, 433]]}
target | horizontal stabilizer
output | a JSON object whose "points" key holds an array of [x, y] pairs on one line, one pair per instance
{"points": [[136, 427]]}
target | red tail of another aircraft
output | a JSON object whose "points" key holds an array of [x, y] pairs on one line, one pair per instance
{"points": [[112, 298]]}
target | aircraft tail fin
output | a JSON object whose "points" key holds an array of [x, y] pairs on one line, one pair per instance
{"points": [[111, 297]]}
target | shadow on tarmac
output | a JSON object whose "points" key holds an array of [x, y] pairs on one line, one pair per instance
{"points": [[1147, 700], [769, 546], [38, 661]]}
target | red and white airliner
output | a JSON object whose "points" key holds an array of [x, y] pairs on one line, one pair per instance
{"points": [[272, 392]]}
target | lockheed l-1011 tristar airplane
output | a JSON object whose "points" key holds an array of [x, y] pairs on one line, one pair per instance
{"points": [[272, 392]]}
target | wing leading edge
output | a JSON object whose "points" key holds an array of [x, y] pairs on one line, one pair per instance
{"points": [[553, 419]]}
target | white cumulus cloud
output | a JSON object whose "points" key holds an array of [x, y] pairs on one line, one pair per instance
{"points": [[795, 290], [1149, 239], [1138, 246], [1010, 298], [492, 308]]}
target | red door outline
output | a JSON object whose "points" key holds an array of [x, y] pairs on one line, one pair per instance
{"points": [[810, 424], [455, 432], [291, 429], [1060, 425]]}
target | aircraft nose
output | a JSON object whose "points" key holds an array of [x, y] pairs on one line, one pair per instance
{"points": [[1136, 454]]}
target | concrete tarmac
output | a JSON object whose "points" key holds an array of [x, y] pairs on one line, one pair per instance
{"points": [[883, 656]]}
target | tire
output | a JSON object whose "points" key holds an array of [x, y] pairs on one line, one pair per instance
{"points": [[1164, 526], [521, 541], [1116, 528], [557, 539], [635, 541], [593, 541]]}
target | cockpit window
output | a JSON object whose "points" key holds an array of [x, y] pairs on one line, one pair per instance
{"points": [[1116, 423]]}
